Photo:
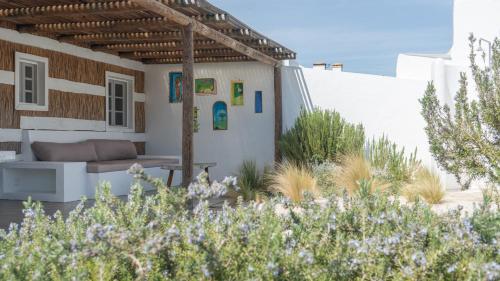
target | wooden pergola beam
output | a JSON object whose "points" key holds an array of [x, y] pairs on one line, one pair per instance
{"points": [[199, 44], [124, 37], [202, 29], [68, 9], [98, 26], [198, 60], [179, 53]]}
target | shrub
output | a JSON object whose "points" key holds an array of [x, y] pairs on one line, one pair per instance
{"points": [[293, 181], [319, 136], [392, 162], [155, 237], [251, 181], [426, 185], [324, 174], [355, 169], [466, 143]]}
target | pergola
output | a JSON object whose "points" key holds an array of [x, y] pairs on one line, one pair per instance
{"points": [[153, 32]]}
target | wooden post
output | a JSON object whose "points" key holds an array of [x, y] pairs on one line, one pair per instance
{"points": [[187, 105], [278, 113]]}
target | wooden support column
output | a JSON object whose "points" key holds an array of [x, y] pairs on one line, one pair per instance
{"points": [[187, 104], [278, 113]]}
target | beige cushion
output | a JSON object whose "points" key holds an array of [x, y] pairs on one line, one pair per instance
{"points": [[123, 165], [108, 150], [64, 152]]}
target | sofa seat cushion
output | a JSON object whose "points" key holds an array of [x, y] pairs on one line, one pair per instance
{"points": [[64, 152], [123, 165], [108, 150]]}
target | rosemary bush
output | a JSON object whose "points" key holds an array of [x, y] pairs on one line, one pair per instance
{"points": [[392, 162], [466, 142], [155, 237], [319, 136]]}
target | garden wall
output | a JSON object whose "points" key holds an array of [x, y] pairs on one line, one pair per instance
{"points": [[250, 135], [384, 105]]}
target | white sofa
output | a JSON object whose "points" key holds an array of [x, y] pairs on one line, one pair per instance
{"points": [[55, 181]]}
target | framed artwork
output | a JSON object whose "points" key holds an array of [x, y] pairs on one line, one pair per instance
{"points": [[219, 111], [258, 102], [175, 94], [196, 119], [237, 93], [205, 87]]}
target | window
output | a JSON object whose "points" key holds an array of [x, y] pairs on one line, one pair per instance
{"points": [[120, 107], [31, 82]]}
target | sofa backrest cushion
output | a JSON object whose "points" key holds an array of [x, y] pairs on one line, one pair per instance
{"points": [[64, 152], [108, 150]]}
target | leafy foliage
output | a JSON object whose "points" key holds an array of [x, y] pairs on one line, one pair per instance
{"points": [[155, 237], [251, 181], [391, 162], [319, 136], [466, 142]]}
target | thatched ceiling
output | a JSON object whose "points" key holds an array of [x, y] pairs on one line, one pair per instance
{"points": [[127, 29]]}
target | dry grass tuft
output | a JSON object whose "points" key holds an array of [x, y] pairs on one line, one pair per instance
{"points": [[427, 185], [293, 181], [355, 168]]}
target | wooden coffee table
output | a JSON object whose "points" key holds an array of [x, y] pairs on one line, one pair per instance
{"points": [[178, 167]]}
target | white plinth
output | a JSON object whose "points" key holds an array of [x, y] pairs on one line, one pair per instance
{"points": [[7, 156]]}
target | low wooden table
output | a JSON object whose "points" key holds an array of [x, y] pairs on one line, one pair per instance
{"points": [[178, 167]]}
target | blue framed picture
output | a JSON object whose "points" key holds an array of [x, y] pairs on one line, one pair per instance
{"points": [[175, 87], [258, 102], [219, 112]]}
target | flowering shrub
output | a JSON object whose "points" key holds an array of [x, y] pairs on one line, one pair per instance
{"points": [[156, 237]]}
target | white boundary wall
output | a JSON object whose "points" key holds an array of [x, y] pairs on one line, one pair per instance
{"points": [[250, 135], [384, 105]]}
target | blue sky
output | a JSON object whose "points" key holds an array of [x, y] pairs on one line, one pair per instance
{"points": [[365, 35]]}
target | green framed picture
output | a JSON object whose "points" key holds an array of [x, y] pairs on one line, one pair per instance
{"points": [[237, 93], [205, 87]]}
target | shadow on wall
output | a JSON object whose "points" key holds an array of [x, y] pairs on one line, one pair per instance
{"points": [[298, 95]]}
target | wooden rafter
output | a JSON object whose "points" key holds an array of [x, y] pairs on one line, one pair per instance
{"points": [[68, 9], [178, 54], [197, 60], [202, 29], [98, 26], [123, 37]]}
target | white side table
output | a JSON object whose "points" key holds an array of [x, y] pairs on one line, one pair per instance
{"points": [[7, 156]]}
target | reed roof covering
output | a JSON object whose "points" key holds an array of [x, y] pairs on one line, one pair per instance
{"points": [[140, 29]]}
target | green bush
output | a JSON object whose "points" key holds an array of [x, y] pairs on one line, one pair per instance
{"points": [[251, 182], [466, 142], [319, 136], [155, 237], [391, 162]]}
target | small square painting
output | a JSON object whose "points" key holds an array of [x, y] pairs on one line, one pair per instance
{"points": [[220, 116], [175, 94], [258, 102], [237, 93], [205, 87]]}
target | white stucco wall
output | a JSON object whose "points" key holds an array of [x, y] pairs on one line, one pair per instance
{"points": [[384, 105], [250, 136]]}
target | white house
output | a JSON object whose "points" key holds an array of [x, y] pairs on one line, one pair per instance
{"points": [[389, 105], [129, 70]]}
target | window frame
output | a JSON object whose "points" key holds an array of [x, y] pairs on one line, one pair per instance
{"points": [[130, 106], [40, 79]]}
